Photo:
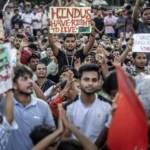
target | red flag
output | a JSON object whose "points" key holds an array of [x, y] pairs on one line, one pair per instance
{"points": [[129, 127]]}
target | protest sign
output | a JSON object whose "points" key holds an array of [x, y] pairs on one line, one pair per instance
{"points": [[141, 43], [1, 30], [70, 20], [5, 69]]}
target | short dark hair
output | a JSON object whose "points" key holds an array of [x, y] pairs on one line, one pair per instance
{"points": [[67, 68], [110, 82], [70, 144], [33, 46], [144, 10], [40, 132], [69, 35], [20, 71], [88, 67], [127, 60], [34, 56], [20, 36]]}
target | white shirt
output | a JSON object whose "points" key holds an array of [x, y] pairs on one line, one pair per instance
{"points": [[36, 25], [90, 120], [27, 18]]}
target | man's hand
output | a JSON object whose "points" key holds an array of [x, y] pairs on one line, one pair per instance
{"points": [[77, 64], [63, 115]]}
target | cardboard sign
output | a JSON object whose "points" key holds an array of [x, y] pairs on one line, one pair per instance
{"points": [[70, 19], [1, 30], [141, 43], [5, 69]]}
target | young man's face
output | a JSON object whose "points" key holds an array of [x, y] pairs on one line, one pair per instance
{"points": [[140, 60], [17, 42], [70, 43], [33, 63], [24, 85], [115, 44], [146, 16], [129, 56], [41, 71], [89, 82]]}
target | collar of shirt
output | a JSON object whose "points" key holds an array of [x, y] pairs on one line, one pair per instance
{"points": [[32, 103]]}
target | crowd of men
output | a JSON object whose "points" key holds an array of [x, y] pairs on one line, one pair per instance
{"points": [[64, 85]]}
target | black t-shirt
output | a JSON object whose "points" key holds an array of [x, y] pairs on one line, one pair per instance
{"points": [[46, 85], [62, 60], [141, 27], [53, 78], [99, 23]]}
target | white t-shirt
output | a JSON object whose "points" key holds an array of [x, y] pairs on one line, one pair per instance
{"points": [[27, 18], [36, 25], [90, 120]]}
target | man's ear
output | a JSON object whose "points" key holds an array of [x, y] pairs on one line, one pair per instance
{"points": [[15, 86]]}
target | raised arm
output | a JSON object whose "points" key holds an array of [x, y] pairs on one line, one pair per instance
{"points": [[9, 107], [135, 11], [86, 143], [88, 47], [55, 49]]}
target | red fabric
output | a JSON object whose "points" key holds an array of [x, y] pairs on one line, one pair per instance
{"points": [[129, 125], [54, 105], [24, 57]]}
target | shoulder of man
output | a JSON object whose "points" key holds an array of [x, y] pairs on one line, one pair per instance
{"points": [[105, 100], [71, 102]]}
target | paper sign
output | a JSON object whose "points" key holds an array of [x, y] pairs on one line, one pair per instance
{"points": [[5, 69], [1, 30], [141, 43], [70, 19]]}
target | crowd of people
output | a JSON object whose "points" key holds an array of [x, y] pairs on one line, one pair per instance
{"points": [[64, 85]]}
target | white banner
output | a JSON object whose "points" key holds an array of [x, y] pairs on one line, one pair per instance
{"points": [[141, 43]]}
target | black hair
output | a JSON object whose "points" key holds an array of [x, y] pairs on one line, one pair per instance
{"points": [[20, 36], [20, 71], [40, 132], [146, 8], [88, 67], [34, 55], [67, 68], [127, 60], [33, 47], [109, 49], [134, 54], [110, 82], [69, 35], [70, 145]]}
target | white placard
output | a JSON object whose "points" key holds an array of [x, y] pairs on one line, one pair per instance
{"points": [[141, 43]]}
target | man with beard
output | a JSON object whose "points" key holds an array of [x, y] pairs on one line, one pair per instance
{"points": [[42, 82], [69, 55], [140, 61], [144, 25], [28, 110], [89, 112]]}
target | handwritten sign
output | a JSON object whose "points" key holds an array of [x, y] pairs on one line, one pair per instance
{"points": [[5, 69], [141, 43], [70, 19]]}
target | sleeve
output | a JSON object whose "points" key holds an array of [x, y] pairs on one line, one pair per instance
{"points": [[5, 130], [107, 124], [48, 118], [105, 20]]}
